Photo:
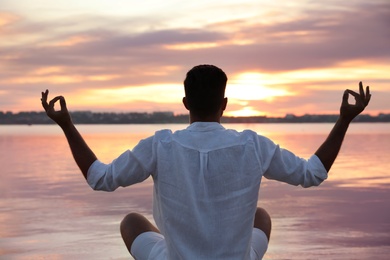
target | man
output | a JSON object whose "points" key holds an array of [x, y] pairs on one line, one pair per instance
{"points": [[206, 178]]}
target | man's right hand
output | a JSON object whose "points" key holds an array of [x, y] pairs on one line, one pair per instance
{"points": [[82, 154], [61, 117]]}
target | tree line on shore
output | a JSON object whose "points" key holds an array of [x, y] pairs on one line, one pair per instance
{"points": [[88, 117]]}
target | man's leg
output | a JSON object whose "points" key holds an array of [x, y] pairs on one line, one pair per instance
{"points": [[132, 226], [263, 221]]}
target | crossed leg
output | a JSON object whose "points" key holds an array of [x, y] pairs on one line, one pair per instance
{"points": [[263, 221], [135, 224], [132, 226]]}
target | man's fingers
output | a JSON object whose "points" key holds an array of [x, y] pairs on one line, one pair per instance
{"points": [[63, 104], [360, 102], [345, 97], [51, 103], [361, 90], [365, 96], [358, 98], [44, 95], [368, 95], [44, 99], [362, 98], [50, 106], [353, 93]]}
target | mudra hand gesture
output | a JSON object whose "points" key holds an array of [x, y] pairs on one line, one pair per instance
{"points": [[61, 117], [350, 111]]}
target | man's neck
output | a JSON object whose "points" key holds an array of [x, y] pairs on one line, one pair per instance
{"points": [[212, 118]]}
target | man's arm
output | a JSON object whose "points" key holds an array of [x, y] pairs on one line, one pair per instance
{"points": [[82, 154], [328, 151]]}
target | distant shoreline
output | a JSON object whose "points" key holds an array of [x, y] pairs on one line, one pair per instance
{"points": [[88, 117]]}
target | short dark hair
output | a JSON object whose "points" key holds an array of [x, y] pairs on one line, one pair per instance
{"points": [[205, 89]]}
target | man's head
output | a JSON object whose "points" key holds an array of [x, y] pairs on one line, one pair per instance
{"points": [[205, 91]]}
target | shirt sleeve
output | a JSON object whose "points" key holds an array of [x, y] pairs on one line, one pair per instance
{"points": [[129, 168], [282, 165]]}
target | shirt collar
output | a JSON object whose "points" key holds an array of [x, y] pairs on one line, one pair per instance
{"points": [[204, 126]]}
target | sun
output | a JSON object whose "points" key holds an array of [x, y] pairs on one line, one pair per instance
{"points": [[244, 112], [250, 86]]}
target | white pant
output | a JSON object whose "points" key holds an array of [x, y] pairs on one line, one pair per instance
{"points": [[151, 246]]}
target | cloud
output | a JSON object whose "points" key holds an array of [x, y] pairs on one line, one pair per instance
{"points": [[328, 39], [89, 52]]}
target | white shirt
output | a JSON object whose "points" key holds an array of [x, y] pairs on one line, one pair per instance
{"points": [[206, 184]]}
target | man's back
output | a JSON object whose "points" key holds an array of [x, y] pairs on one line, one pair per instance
{"points": [[206, 188]]}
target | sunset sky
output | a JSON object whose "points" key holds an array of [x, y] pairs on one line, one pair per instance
{"points": [[131, 56]]}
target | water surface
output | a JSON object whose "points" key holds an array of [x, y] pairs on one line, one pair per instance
{"points": [[47, 211]]}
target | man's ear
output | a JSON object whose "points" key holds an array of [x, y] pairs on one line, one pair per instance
{"points": [[185, 103], [224, 103]]}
